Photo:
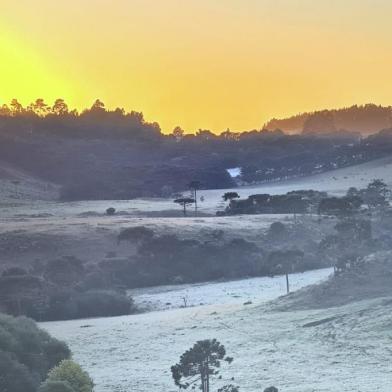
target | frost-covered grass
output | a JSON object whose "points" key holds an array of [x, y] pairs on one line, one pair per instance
{"points": [[335, 182], [255, 290], [348, 351]]}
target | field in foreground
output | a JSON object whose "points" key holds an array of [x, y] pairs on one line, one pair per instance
{"points": [[336, 349]]}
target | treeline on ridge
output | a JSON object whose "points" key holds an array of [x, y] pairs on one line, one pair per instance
{"points": [[365, 119], [112, 154]]}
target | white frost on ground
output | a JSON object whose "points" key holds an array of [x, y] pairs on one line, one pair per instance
{"points": [[222, 293], [335, 182], [349, 353]]}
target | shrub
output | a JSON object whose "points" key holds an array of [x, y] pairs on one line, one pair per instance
{"points": [[26, 354], [55, 386], [65, 271], [136, 234], [70, 372], [97, 303], [15, 377], [110, 211], [93, 303], [22, 294], [229, 388], [277, 231]]}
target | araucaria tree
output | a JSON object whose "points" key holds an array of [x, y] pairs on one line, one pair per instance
{"points": [[184, 202], [230, 196], [198, 364], [194, 186]]}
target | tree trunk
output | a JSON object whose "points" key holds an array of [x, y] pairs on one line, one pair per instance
{"points": [[208, 377], [287, 283], [203, 381], [195, 201]]}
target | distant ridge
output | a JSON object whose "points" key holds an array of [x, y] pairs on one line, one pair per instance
{"points": [[365, 119]]}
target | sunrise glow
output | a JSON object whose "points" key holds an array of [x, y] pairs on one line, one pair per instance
{"points": [[211, 64]]}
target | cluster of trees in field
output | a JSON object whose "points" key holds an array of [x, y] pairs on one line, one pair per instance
{"points": [[295, 202], [67, 288], [58, 290], [33, 361], [375, 196], [112, 154], [326, 231]]}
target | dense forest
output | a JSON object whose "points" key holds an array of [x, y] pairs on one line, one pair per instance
{"points": [[113, 154], [366, 119]]}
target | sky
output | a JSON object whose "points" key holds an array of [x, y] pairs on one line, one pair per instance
{"points": [[209, 64]]}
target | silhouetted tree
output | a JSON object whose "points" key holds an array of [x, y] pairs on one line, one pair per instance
{"points": [[39, 107], [377, 194], [198, 364], [320, 122], [230, 196], [110, 211], [178, 133], [184, 202], [277, 231], [194, 186], [98, 105], [271, 389], [60, 108], [340, 206]]}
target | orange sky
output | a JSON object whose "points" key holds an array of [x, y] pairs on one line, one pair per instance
{"points": [[211, 64]]}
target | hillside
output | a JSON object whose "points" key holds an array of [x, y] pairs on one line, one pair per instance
{"points": [[102, 154], [366, 119], [269, 347], [370, 279], [17, 185]]}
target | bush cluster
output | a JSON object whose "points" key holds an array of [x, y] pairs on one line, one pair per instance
{"points": [[27, 353]]}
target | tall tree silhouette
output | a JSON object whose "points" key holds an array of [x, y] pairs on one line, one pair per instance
{"points": [[199, 364], [194, 186], [59, 107], [184, 202]]}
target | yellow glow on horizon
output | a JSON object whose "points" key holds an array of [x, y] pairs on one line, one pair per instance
{"points": [[21, 82], [209, 64]]}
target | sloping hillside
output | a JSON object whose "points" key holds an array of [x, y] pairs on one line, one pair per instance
{"points": [[17, 185], [366, 119], [370, 279]]}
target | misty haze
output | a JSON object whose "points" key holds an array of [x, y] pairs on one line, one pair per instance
{"points": [[195, 196]]}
